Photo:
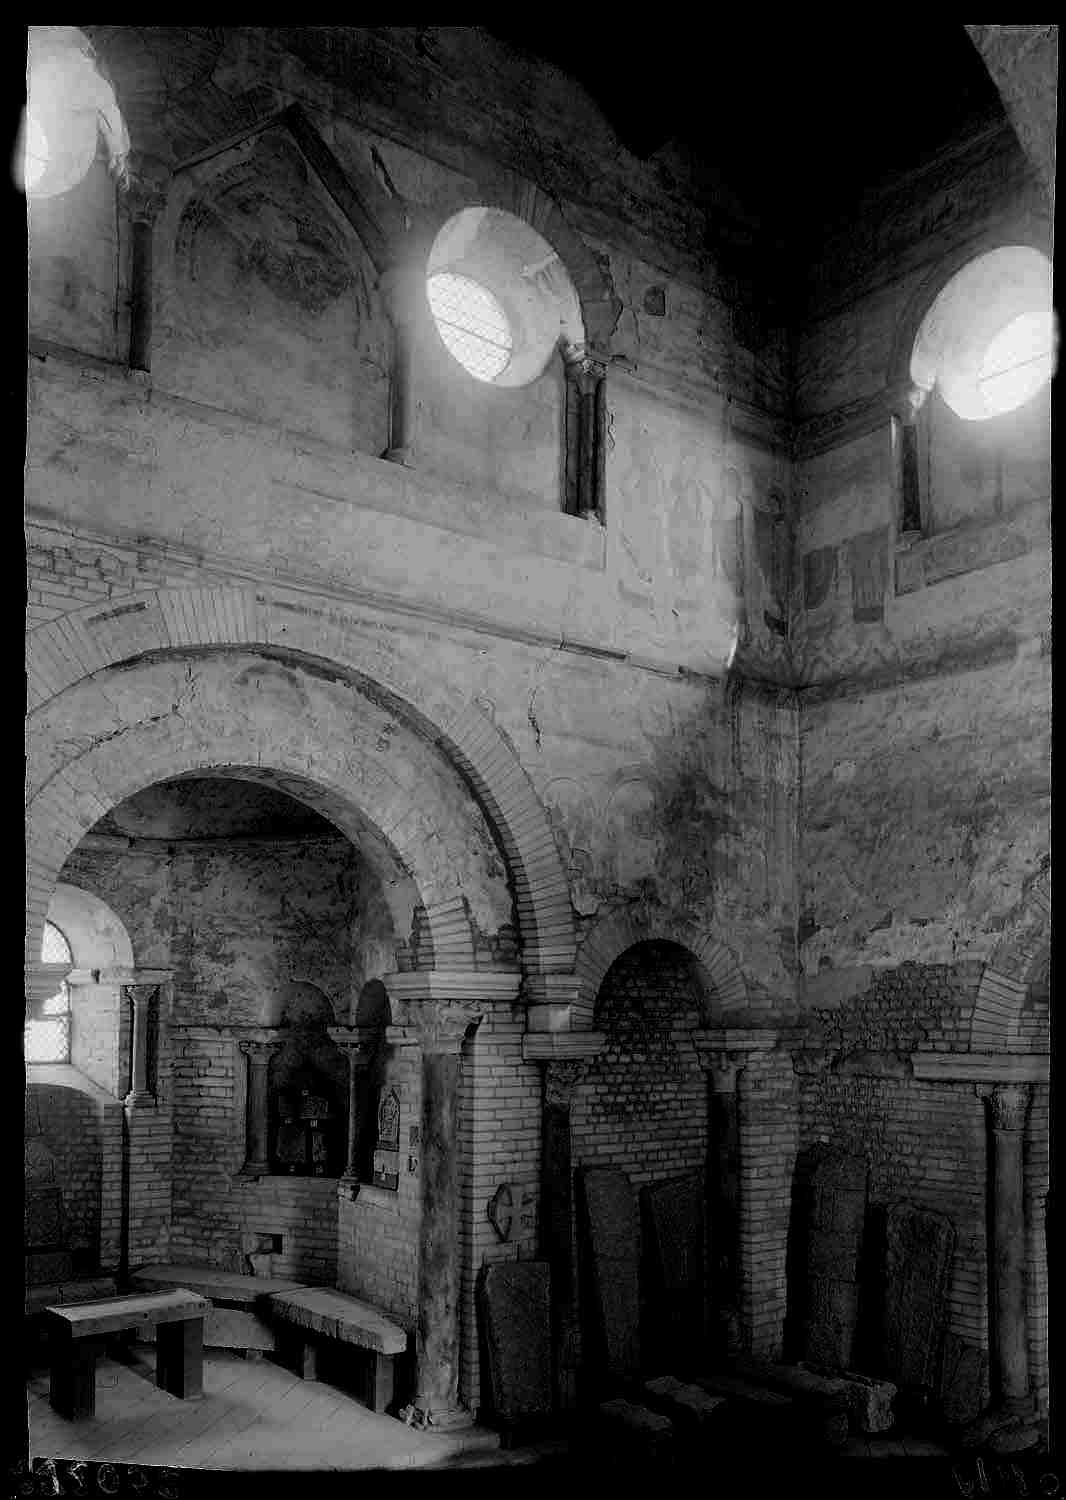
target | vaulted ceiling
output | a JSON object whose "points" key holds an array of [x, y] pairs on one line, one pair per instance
{"points": [[797, 118]]}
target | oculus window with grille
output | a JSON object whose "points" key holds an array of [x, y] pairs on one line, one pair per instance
{"points": [[502, 301], [472, 324], [987, 343], [46, 1038]]}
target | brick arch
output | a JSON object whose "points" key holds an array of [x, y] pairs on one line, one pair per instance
{"points": [[74, 799], [1006, 976], [166, 620], [724, 983], [1031, 230]]}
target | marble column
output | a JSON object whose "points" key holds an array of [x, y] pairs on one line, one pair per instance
{"points": [[1009, 1344], [257, 1152], [586, 430], [360, 1053], [439, 1026], [561, 1077], [140, 997], [723, 1070], [905, 453], [403, 289], [144, 197]]}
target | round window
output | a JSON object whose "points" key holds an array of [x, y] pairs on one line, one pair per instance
{"points": [[471, 322], [1017, 362], [987, 343], [501, 298]]}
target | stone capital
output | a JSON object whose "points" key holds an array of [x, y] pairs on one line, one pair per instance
{"points": [[143, 188], [140, 994], [561, 1079], [259, 1050], [440, 1025], [583, 367], [905, 401], [724, 1069], [358, 1042], [1008, 1103]]}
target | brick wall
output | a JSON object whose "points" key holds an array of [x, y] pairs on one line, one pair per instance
{"points": [[643, 1103], [499, 1124], [1037, 1154], [65, 573], [768, 1129], [377, 1253], [926, 1142], [214, 1209]]}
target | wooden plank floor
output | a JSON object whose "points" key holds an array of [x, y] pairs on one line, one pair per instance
{"points": [[253, 1414]]}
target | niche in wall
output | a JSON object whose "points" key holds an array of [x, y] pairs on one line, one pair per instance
{"points": [[267, 302], [308, 1089]]}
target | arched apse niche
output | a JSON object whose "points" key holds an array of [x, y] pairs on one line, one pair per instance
{"points": [[325, 742], [724, 986], [1003, 1021], [87, 641]]}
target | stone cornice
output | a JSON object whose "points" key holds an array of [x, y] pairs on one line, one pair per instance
{"points": [[493, 987], [562, 1046], [982, 1067], [735, 1039], [550, 993]]}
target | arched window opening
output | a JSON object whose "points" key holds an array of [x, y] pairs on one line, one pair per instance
{"points": [[975, 443], [46, 1038], [70, 111], [987, 342]]}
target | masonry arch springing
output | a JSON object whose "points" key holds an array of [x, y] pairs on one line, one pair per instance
{"points": [[1006, 977], [724, 987], [86, 642]]}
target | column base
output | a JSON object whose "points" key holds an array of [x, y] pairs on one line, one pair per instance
{"points": [[348, 1187], [255, 1169], [1003, 1422], [430, 1418], [398, 456]]}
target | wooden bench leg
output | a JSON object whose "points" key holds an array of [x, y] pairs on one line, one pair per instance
{"points": [[179, 1358], [72, 1382], [308, 1361], [380, 1391]]}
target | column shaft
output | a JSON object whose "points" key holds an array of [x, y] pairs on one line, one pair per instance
{"points": [[1010, 1353], [257, 1158], [140, 997], [438, 1310], [141, 295], [557, 1222]]}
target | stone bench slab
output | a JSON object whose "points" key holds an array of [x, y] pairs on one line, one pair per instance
{"points": [[337, 1316], [225, 1288], [685, 1403], [113, 1314]]}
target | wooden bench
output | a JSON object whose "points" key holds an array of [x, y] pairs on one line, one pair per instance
{"points": [[78, 1332], [319, 1313]]}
